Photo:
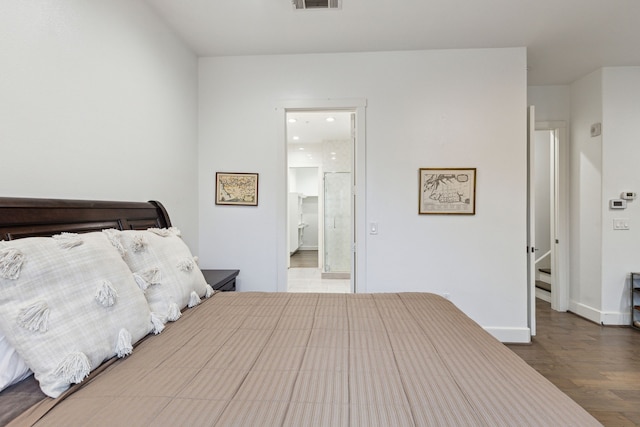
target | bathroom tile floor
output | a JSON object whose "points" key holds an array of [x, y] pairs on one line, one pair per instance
{"points": [[309, 280]]}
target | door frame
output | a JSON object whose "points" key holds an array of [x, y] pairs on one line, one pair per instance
{"points": [[357, 106]]}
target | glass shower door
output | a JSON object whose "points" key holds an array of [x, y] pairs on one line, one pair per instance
{"points": [[337, 222]]}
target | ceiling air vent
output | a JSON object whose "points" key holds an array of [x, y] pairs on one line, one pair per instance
{"points": [[316, 4]]}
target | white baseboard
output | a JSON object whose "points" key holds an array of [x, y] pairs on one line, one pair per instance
{"points": [[600, 317], [511, 335], [308, 248], [616, 319], [523, 335]]}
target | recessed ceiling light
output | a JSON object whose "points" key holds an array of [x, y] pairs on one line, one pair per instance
{"points": [[333, 158], [292, 120], [301, 148], [331, 119], [333, 153], [295, 138]]}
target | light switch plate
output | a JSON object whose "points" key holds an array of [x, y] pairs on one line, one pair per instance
{"points": [[621, 224]]}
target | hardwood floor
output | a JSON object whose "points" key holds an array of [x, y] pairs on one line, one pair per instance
{"points": [[304, 259], [597, 366]]}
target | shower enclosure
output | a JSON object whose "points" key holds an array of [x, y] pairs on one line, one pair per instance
{"points": [[337, 225]]}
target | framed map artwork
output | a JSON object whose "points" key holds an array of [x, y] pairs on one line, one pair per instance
{"points": [[447, 191], [239, 189]]}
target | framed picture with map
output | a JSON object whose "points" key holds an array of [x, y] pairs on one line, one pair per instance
{"points": [[447, 191], [240, 189]]}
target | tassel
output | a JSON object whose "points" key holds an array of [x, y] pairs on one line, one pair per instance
{"points": [[157, 322], [194, 299], [139, 243], [74, 368], [35, 318], [186, 265], [106, 295], [10, 263], [210, 292], [142, 284], [114, 238], [174, 312], [124, 347], [196, 260], [162, 232], [175, 231], [148, 277], [68, 240]]}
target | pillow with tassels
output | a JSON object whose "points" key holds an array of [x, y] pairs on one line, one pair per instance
{"points": [[164, 267], [68, 303], [12, 366]]}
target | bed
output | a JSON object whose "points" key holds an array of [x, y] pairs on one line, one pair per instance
{"points": [[286, 359]]}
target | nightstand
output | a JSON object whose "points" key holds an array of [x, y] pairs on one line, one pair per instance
{"points": [[221, 280]]}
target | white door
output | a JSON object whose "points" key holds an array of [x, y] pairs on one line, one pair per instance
{"points": [[531, 194]]}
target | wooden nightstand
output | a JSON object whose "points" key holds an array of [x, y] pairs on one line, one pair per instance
{"points": [[221, 280]]}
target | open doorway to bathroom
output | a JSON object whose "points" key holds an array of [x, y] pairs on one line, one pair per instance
{"points": [[320, 201]]}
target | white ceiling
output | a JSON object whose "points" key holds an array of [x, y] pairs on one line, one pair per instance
{"points": [[306, 127], [566, 39]]}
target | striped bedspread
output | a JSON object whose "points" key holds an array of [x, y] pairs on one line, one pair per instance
{"points": [[282, 359]]}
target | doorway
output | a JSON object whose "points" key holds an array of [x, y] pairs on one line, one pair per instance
{"points": [[551, 206], [356, 106], [545, 179], [320, 202]]}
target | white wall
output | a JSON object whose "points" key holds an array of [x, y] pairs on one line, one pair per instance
{"points": [[307, 181], [586, 197], [621, 172], [553, 103], [97, 101], [444, 108]]}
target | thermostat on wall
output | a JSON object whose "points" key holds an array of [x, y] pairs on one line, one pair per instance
{"points": [[617, 204], [628, 195]]}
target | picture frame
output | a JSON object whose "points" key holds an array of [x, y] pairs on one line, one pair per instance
{"points": [[236, 189], [447, 191]]}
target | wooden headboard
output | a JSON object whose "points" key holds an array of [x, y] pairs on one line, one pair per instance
{"points": [[24, 217]]}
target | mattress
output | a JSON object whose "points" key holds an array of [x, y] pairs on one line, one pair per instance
{"points": [[283, 359]]}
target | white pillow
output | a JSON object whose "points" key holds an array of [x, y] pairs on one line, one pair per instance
{"points": [[164, 268], [12, 366], [67, 303]]}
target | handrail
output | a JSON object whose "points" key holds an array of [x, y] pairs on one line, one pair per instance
{"points": [[543, 256]]}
